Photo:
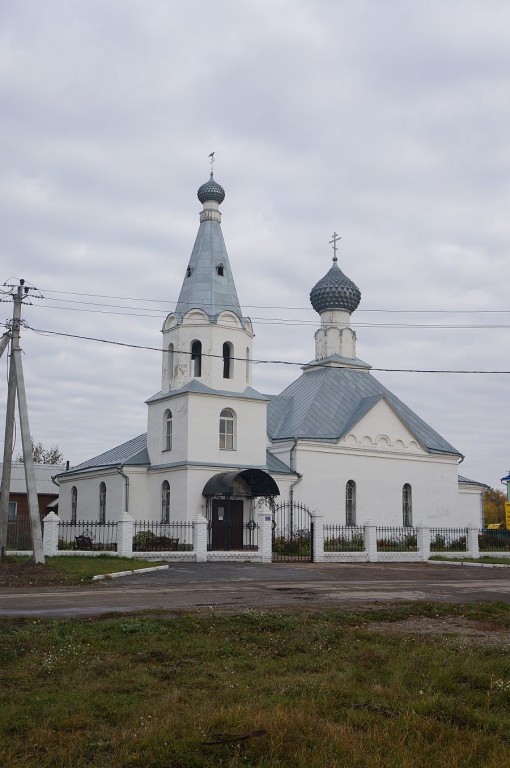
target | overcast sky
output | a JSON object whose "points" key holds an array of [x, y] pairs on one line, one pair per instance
{"points": [[387, 122]]}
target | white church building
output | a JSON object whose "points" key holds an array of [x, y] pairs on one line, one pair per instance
{"points": [[336, 440]]}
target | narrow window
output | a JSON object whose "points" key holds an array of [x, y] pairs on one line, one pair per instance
{"points": [[167, 425], [74, 503], [170, 361], [196, 359], [247, 365], [12, 512], [227, 360], [102, 503], [407, 505], [350, 503], [227, 430], [188, 272], [165, 502], [220, 270]]}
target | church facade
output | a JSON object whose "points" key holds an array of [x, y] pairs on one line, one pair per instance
{"points": [[336, 439]]}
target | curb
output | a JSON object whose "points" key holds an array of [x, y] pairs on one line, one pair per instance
{"points": [[470, 565], [118, 574]]}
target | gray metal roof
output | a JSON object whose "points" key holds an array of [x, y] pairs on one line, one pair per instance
{"points": [[204, 288], [43, 475], [274, 464], [196, 386], [133, 452], [325, 403], [466, 481]]}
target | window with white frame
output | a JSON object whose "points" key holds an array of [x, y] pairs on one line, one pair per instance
{"points": [[407, 505], [74, 503], [102, 502], [227, 430], [350, 503], [165, 501], [167, 435]]}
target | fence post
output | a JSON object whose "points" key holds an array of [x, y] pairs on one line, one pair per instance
{"points": [[318, 537], [370, 536], [265, 523], [200, 538], [472, 541], [423, 540], [125, 535], [50, 534]]}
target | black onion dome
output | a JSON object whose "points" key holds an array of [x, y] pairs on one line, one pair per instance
{"points": [[211, 190], [335, 291]]}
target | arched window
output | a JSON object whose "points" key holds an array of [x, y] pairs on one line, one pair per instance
{"points": [[170, 361], [247, 365], [74, 503], [350, 503], [220, 270], [167, 427], [407, 505], [196, 358], [228, 363], [165, 501], [227, 430], [189, 271], [102, 502]]}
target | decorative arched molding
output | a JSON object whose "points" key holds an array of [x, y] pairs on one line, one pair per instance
{"points": [[400, 445], [383, 440], [170, 322], [195, 316], [367, 440], [351, 439], [228, 318], [413, 446]]}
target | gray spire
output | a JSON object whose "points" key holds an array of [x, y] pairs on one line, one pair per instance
{"points": [[209, 283]]}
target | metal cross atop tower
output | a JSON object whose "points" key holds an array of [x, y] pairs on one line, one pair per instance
{"points": [[335, 247], [212, 162]]}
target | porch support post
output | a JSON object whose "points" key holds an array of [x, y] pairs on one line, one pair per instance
{"points": [[265, 523], [200, 538], [318, 537], [50, 535], [423, 540], [472, 541], [125, 535], [370, 535]]}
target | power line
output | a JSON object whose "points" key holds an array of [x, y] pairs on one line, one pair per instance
{"points": [[254, 361]]}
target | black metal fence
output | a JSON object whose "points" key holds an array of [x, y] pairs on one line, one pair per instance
{"points": [[448, 540], [493, 541], [152, 536], [88, 536], [19, 534], [228, 535], [393, 539], [344, 538], [292, 532]]}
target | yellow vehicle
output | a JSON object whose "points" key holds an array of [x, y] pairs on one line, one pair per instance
{"points": [[495, 526]]}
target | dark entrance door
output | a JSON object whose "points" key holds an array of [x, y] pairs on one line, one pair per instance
{"points": [[227, 524], [292, 532]]}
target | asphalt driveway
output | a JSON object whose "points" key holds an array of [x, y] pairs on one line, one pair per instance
{"points": [[227, 587]]}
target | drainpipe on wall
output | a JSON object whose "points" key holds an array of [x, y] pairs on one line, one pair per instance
{"points": [[126, 478], [292, 461]]}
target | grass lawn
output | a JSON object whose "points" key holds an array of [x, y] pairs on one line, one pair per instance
{"points": [[310, 689], [22, 571]]}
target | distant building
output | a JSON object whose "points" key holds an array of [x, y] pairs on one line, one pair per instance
{"points": [[336, 439], [47, 490]]}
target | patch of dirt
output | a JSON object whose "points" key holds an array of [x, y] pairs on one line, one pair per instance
{"points": [[29, 574], [454, 628]]}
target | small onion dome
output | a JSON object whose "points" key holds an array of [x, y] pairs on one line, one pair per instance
{"points": [[211, 190], [335, 291]]}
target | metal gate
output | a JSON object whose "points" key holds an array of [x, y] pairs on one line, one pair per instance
{"points": [[292, 532]]}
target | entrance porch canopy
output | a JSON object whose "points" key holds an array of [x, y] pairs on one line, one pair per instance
{"points": [[258, 481]]}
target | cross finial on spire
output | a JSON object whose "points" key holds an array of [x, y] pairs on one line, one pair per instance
{"points": [[212, 162], [335, 247]]}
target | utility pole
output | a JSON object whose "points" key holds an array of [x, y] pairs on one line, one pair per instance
{"points": [[16, 385]]}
